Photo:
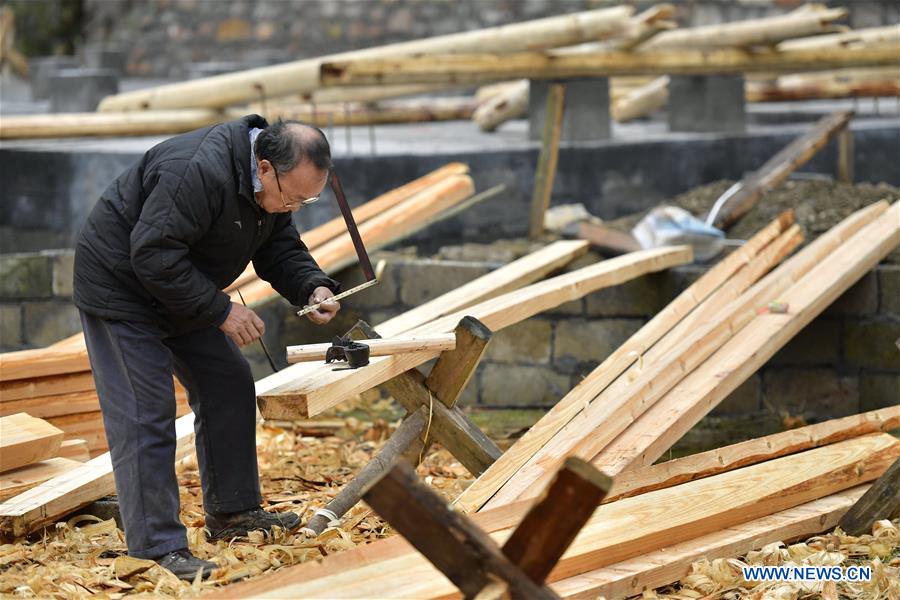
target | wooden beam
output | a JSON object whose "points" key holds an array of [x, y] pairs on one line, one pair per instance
{"points": [[520, 272], [653, 433], [780, 166], [633, 482], [315, 388], [76, 449], [462, 552], [881, 501], [546, 165], [473, 69], [616, 531], [412, 427], [672, 563], [52, 385], [300, 77], [870, 37], [25, 439], [846, 158], [613, 366], [40, 362], [548, 529], [454, 369], [437, 342], [16, 481]]}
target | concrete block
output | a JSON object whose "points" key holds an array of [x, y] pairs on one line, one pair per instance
{"points": [[508, 385], [586, 116], [579, 341], [526, 342], [424, 280], [819, 343], [10, 327], [575, 308], [41, 69], [63, 265], [707, 104], [878, 390], [105, 509], [49, 321], [889, 290], [641, 297], [114, 59], [716, 431], [745, 400], [816, 394], [385, 294], [872, 344], [81, 90], [860, 300], [25, 276], [198, 70]]}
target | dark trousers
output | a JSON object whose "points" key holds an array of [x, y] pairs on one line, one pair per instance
{"points": [[133, 365]]}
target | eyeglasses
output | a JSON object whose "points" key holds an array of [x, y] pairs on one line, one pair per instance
{"points": [[292, 204]]}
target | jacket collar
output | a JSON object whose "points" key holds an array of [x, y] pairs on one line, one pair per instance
{"points": [[240, 142]]}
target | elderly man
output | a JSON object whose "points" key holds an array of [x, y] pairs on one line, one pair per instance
{"points": [[155, 254]]}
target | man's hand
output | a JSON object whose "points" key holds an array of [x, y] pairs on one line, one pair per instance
{"points": [[243, 325], [328, 309]]}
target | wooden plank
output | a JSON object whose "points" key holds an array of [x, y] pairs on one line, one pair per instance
{"points": [[546, 165], [454, 369], [660, 427], [75, 449], [616, 531], [462, 552], [411, 428], [846, 158], [881, 501], [18, 480], [545, 533], [507, 278], [42, 361], [436, 342], [315, 388], [672, 563], [633, 482], [45, 407], [52, 385], [683, 349], [608, 239], [25, 439], [473, 69], [557, 417], [779, 167]]}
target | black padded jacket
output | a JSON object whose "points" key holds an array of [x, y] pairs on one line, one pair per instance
{"points": [[170, 233]]}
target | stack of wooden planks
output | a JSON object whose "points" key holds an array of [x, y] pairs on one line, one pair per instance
{"points": [[55, 383], [32, 451]]}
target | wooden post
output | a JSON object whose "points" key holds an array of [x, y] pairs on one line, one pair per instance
{"points": [[846, 155], [453, 370], [551, 525], [881, 501], [463, 552], [546, 167]]}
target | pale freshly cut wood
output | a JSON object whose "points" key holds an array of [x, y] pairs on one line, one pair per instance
{"points": [[302, 76], [632, 482], [807, 20], [641, 101], [845, 83], [683, 348], [76, 449], [336, 227], [437, 342], [672, 563], [622, 358], [523, 271], [313, 388], [51, 385], [53, 406], [91, 124], [25, 439], [43, 361], [616, 531], [466, 69], [657, 429], [871, 37], [24, 478], [56, 497]]}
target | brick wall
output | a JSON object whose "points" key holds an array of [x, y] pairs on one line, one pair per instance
{"points": [[163, 37]]}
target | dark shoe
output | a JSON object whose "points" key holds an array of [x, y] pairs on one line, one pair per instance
{"points": [[239, 524], [185, 565]]}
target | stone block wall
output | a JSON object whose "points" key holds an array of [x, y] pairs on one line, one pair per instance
{"points": [[36, 299], [163, 37]]}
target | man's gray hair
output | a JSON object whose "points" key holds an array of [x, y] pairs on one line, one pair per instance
{"points": [[286, 144]]}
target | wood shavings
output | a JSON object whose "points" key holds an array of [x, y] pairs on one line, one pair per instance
{"points": [[87, 557]]}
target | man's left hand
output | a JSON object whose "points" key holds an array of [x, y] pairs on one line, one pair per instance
{"points": [[328, 308]]}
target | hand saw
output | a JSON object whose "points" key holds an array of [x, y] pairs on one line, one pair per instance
{"points": [[364, 262]]}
